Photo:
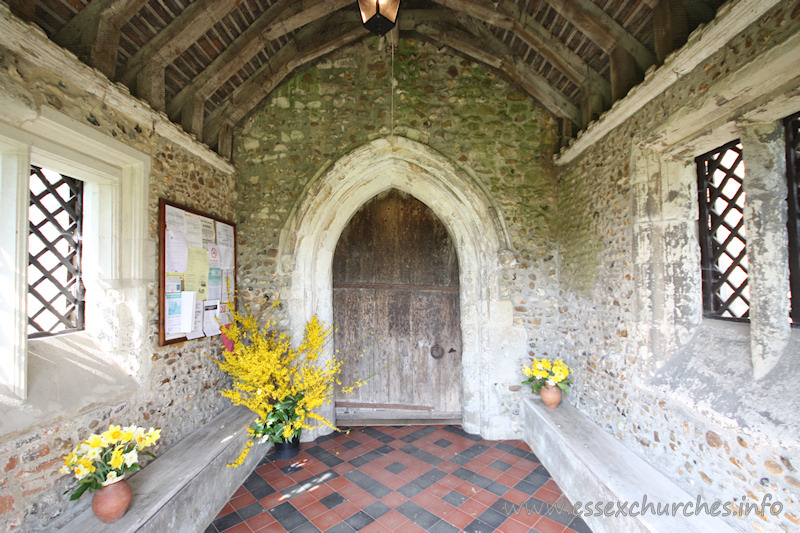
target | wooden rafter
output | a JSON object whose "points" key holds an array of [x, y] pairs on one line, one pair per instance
{"points": [[601, 28], [24, 9], [229, 62], [302, 12], [481, 11], [311, 44], [507, 16], [557, 53], [93, 34], [281, 18], [179, 35]]}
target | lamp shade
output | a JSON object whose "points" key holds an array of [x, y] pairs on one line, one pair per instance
{"points": [[378, 16]]}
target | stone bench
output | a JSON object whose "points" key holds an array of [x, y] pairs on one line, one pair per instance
{"points": [[590, 466], [184, 489]]}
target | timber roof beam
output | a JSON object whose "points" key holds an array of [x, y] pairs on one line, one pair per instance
{"points": [[93, 34], [179, 35]]}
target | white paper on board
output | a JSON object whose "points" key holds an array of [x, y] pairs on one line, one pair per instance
{"points": [[226, 260], [225, 234], [210, 314], [194, 230], [172, 320], [187, 316], [176, 252], [173, 284], [198, 321], [174, 218]]}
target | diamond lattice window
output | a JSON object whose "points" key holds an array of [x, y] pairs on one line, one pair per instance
{"points": [[55, 290], [723, 240], [793, 175]]}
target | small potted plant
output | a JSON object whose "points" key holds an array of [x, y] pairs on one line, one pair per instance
{"points": [[100, 463], [548, 378]]}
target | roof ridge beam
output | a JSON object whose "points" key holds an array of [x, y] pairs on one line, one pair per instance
{"points": [[177, 36]]}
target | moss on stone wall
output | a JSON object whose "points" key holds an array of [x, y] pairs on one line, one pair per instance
{"points": [[459, 108]]}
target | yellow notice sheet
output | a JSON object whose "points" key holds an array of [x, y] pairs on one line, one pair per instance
{"points": [[196, 278]]}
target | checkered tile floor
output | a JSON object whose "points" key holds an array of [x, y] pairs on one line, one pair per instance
{"points": [[404, 478]]}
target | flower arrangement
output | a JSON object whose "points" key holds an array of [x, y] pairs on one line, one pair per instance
{"points": [[546, 372], [282, 385], [104, 458]]}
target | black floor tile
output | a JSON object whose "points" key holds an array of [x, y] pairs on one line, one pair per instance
{"points": [[455, 498], [500, 466], [377, 510], [396, 468], [476, 526], [443, 527], [360, 520], [229, 520], [249, 511], [332, 500]]}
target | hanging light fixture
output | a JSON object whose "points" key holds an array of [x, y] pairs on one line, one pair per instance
{"points": [[378, 16]]}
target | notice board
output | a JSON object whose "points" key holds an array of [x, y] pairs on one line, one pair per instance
{"points": [[196, 273]]}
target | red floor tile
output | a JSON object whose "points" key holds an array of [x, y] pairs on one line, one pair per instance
{"points": [[346, 484]]}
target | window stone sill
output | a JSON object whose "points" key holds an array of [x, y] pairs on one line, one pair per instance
{"points": [[67, 375]]}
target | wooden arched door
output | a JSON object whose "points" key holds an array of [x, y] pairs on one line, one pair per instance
{"points": [[396, 299]]}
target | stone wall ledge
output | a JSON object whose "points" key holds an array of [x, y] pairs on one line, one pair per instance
{"points": [[591, 466], [184, 489]]}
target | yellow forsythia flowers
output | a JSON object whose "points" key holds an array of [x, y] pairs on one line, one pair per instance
{"points": [[281, 384]]}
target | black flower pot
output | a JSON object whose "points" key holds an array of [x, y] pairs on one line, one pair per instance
{"points": [[287, 449]]}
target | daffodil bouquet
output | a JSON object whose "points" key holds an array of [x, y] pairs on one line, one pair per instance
{"points": [[281, 384], [104, 458], [546, 372]]}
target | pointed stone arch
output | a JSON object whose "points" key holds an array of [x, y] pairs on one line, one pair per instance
{"points": [[309, 238]]}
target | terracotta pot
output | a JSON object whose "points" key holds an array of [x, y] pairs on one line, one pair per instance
{"points": [[551, 396], [111, 502], [287, 449]]}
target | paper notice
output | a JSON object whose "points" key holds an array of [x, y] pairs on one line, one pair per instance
{"points": [[224, 317], [225, 234], [210, 314], [174, 219], [196, 278], [176, 251], [214, 284], [194, 230], [187, 311], [173, 284], [213, 257], [172, 320], [209, 235], [198, 321], [226, 260]]}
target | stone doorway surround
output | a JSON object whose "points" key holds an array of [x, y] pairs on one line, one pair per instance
{"points": [[493, 347]]}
